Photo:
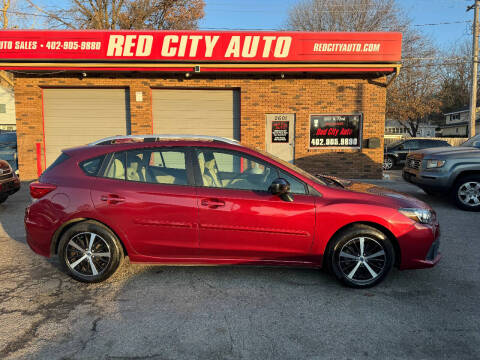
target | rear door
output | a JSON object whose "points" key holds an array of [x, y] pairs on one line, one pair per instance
{"points": [[149, 194], [239, 218]]}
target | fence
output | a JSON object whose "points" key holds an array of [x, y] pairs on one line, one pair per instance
{"points": [[389, 139]]}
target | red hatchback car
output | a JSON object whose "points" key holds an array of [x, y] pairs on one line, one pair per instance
{"points": [[207, 200]]}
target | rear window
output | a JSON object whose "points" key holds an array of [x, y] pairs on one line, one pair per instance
{"points": [[8, 138], [91, 167], [63, 157]]}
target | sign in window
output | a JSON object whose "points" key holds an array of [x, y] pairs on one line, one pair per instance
{"points": [[335, 130]]}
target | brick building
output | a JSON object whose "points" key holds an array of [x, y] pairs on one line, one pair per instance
{"points": [[317, 99]]}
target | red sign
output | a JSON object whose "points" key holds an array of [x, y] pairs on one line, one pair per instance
{"points": [[199, 47]]}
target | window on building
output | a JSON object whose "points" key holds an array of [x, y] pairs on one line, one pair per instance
{"points": [[3, 108]]}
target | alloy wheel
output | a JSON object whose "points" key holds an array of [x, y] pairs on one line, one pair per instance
{"points": [[469, 193], [87, 254], [362, 260], [387, 163]]}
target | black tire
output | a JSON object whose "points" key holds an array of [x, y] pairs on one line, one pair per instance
{"points": [[466, 193], [353, 270], [3, 198], [388, 162], [94, 253]]}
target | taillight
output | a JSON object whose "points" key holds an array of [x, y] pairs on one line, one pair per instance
{"points": [[39, 190]]}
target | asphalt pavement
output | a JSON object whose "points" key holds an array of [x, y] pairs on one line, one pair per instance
{"points": [[154, 312]]}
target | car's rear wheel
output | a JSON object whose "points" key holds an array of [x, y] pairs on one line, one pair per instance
{"points": [[90, 252], [388, 163], [3, 198], [361, 256], [467, 193]]}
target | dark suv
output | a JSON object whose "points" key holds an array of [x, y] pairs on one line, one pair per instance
{"points": [[396, 153]]}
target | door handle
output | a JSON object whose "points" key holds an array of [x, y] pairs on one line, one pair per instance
{"points": [[112, 199], [212, 203]]}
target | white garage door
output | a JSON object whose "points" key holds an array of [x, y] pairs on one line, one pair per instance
{"points": [[197, 112], [75, 117]]}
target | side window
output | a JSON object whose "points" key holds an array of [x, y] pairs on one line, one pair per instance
{"points": [[166, 166], [296, 186], [234, 171], [116, 167], [411, 145], [154, 166], [92, 166]]}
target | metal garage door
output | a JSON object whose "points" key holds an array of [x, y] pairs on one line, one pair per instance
{"points": [[199, 112], [75, 117]]}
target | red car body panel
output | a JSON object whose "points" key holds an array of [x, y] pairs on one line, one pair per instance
{"points": [[175, 224]]}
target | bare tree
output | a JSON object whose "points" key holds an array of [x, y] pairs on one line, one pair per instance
{"points": [[347, 15], [455, 75], [5, 7], [125, 14], [411, 97]]}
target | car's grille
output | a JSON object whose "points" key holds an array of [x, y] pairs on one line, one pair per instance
{"points": [[413, 163], [6, 176]]}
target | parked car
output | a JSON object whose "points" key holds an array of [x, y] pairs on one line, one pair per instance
{"points": [[9, 182], [8, 148], [209, 200], [452, 170], [396, 153]]}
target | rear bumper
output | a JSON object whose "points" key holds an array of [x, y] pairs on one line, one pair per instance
{"points": [[39, 233]]}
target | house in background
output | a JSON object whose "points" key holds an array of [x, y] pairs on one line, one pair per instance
{"points": [[457, 123], [394, 127], [7, 103]]}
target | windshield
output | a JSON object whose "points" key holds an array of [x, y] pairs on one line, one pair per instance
{"points": [[469, 142], [291, 166]]}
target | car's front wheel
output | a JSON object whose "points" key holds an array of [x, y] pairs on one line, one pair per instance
{"points": [[90, 252], [361, 256], [467, 193]]}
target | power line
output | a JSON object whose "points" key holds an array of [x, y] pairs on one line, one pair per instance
{"points": [[231, 28]]}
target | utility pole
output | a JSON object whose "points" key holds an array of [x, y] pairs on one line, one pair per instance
{"points": [[473, 94]]}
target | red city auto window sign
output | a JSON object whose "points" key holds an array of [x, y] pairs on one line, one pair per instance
{"points": [[200, 46], [335, 130]]}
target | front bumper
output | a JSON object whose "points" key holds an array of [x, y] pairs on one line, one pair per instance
{"points": [[9, 186], [421, 247], [426, 179]]}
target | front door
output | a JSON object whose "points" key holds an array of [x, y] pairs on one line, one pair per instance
{"points": [[239, 218], [148, 195], [280, 136], [407, 147]]}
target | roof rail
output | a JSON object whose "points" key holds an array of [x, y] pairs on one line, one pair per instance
{"points": [[160, 137]]}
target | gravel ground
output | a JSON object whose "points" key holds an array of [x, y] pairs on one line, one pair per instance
{"points": [[153, 312]]}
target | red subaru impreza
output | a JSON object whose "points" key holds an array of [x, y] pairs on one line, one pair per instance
{"points": [[207, 200]]}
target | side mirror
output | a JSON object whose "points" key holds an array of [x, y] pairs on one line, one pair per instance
{"points": [[281, 187]]}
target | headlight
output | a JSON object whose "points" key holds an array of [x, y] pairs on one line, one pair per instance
{"points": [[433, 164], [422, 216]]}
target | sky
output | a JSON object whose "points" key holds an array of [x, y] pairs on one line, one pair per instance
{"points": [[272, 14]]}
